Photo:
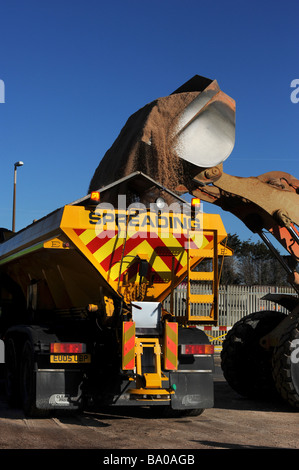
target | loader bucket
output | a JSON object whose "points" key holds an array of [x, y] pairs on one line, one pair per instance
{"points": [[205, 131], [173, 138]]}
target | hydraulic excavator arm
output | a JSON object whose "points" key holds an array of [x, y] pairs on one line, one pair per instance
{"points": [[269, 202]]}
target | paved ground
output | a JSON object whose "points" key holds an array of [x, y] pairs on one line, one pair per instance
{"points": [[234, 423]]}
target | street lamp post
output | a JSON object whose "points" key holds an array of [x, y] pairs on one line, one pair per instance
{"points": [[14, 195]]}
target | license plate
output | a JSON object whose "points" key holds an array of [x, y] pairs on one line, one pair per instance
{"points": [[70, 358]]}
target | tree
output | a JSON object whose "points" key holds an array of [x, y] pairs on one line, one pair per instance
{"points": [[229, 269], [251, 264]]}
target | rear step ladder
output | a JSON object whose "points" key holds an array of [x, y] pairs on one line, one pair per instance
{"points": [[203, 276]]}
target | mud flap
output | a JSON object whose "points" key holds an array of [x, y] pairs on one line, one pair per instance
{"points": [[58, 389], [192, 390]]}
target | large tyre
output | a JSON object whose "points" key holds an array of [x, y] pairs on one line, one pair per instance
{"points": [[11, 373], [246, 365], [285, 365], [28, 382]]}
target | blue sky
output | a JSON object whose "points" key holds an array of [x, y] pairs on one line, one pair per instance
{"points": [[75, 70]]}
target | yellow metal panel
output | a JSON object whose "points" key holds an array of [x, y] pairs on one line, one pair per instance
{"points": [[202, 298], [152, 380], [209, 252], [201, 276], [87, 236], [56, 243], [224, 250], [115, 254], [202, 318], [109, 306]]}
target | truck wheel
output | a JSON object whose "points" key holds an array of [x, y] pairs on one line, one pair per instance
{"points": [[11, 373], [285, 363], [246, 365], [28, 382]]}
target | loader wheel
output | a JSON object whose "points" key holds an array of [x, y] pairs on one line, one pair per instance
{"points": [[285, 363], [11, 373], [246, 365], [28, 382]]}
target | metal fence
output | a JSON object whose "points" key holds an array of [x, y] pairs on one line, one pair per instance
{"points": [[235, 302]]}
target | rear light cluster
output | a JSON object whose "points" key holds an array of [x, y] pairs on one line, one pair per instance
{"points": [[67, 348], [197, 349]]}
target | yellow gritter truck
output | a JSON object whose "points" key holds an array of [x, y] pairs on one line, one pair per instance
{"points": [[82, 294]]}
